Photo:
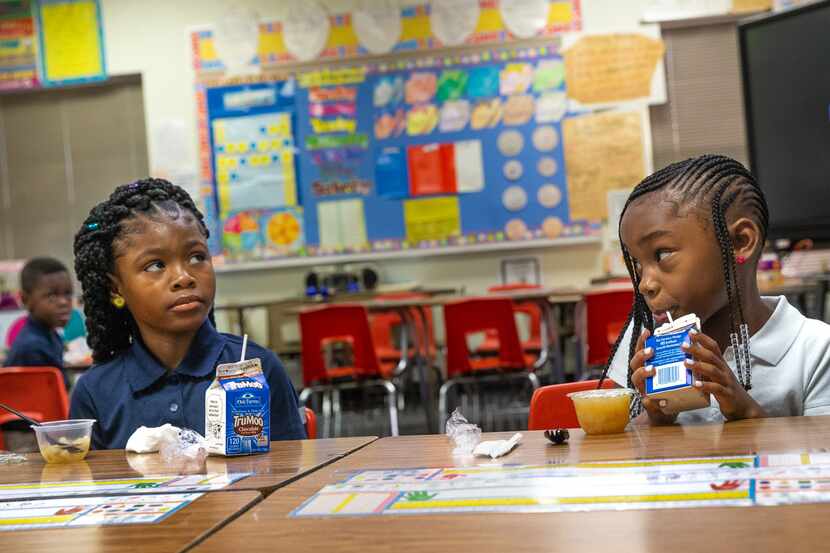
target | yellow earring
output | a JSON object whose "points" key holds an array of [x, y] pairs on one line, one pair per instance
{"points": [[118, 302]]}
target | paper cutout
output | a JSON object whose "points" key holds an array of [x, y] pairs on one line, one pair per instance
{"points": [[241, 233], [552, 227], [71, 48], [346, 109], [333, 94], [549, 196], [432, 219], [236, 37], [514, 198], [455, 115], [451, 85], [390, 124], [516, 229], [483, 82], [377, 26], [510, 143], [420, 87], [18, 52], [305, 29], [518, 110], [390, 173], [469, 166], [388, 92], [431, 169], [486, 114], [616, 138], [551, 107], [359, 140], [282, 231], [546, 166], [338, 124], [515, 78], [342, 225], [421, 120], [524, 18], [513, 169], [549, 74], [545, 138], [333, 77], [453, 21], [323, 188], [612, 67]]}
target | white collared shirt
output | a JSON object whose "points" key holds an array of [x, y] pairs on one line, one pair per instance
{"points": [[790, 366]]}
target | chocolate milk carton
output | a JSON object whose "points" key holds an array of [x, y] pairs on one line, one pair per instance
{"points": [[238, 410]]}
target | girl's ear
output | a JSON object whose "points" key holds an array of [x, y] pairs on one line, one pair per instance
{"points": [[746, 238], [115, 284]]}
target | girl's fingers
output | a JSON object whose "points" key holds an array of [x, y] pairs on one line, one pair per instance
{"points": [[706, 355], [707, 342], [708, 371], [641, 341], [638, 379], [640, 358], [713, 388]]}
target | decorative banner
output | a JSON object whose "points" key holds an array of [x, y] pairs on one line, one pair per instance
{"points": [[18, 55], [300, 36], [616, 138], [611, 68], [71, 44]]}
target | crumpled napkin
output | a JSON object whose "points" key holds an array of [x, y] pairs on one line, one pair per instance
{"points": [[497, 448], [149, 440]]}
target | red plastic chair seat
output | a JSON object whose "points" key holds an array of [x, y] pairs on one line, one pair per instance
{"points": [[39, 392]]}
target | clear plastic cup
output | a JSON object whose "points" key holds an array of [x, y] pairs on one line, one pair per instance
{"points": [[64, 441], [602, 411]]}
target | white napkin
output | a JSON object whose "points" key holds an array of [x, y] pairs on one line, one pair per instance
{"points": [[149, 440], [497, 448]]}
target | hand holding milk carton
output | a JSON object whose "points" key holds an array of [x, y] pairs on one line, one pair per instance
{"points": [[238, 409], [673, 381]]}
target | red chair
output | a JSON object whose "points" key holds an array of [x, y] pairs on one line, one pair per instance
{"points": [[605, 313], [527, 309], [476, 315], [38, 392], [341, 323], [310, 423], [551, 407], [383, 325]]}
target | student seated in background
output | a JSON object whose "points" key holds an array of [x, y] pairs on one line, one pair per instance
{"points": [[691, 235], [148, 286], [47, 295]]}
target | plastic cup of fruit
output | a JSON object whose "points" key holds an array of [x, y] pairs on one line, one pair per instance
{"points": [[64, 441], [602, 411]]}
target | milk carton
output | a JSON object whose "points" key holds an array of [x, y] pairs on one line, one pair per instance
{"points": [[673, 381], [238, 410]]}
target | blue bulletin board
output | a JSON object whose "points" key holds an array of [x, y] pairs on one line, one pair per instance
{"points": [[426, 153]]}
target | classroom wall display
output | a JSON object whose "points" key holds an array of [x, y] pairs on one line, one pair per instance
{"points": [[71, 42], [18, 46], [308, 32]]}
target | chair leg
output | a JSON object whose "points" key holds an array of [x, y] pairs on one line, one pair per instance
{"points": [[337, 412], [304, 395], [326, 413], [442, 403], [534, 380], [392, 401]]}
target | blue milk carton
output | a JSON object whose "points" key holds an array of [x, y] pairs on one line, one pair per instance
{"points": [[238, 410], [673, 381]]}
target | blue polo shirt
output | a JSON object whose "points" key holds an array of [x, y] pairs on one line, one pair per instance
{"points": [[134, 390], [37, 345]]}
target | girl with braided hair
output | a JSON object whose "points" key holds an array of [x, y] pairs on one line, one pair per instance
{"points": [[691, 235], [148, 287]]}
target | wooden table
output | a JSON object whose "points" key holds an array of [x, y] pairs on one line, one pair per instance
{"points": [[790, 528], [179, 531], [287, 461]]}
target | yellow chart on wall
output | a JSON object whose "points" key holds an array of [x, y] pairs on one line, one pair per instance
{"points": [[71, 42], [432, 219]]}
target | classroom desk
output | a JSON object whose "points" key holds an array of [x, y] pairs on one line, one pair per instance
{"points": [[714, 530], [178, 532], [287, 461]]}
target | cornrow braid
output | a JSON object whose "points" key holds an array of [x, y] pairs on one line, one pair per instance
{"points": [[719, 182], [110, 330]]}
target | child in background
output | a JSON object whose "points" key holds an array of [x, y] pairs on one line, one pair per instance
{"points": [[148, 289], [691, 235], [47, 295]]}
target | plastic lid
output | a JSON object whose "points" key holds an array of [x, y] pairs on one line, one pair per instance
{"points": [[64, 425], [611, 392]]}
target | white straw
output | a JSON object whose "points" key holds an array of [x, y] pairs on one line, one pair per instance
{"points": [[667, 315], [244, 347]]}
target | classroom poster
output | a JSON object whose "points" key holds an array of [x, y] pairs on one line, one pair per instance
{"points": [[71, 46], [18, 46]]}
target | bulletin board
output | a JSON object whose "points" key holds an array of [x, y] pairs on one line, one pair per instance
{"points": [[431, 151]]}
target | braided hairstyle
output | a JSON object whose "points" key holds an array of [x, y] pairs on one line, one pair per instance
{"points": [[709, 180], [111, 330]]}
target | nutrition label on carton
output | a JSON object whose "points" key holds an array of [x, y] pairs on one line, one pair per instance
{"points": [[669, 360]]}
